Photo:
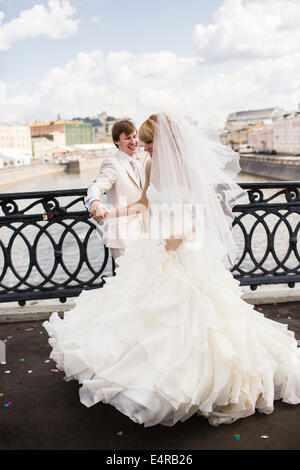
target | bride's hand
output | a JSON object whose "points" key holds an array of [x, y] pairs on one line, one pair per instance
{"points": [[106, 214], [171, 244]]}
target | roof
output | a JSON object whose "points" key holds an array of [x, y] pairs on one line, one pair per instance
{"points": [[256, 114], [12, 124], [56, 122]]}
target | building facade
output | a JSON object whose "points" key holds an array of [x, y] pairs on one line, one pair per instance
{"points": [[78, 133], [13, 157], [286, 134], [14, 135], [270, 130], [43, 147], [74, 132], [260, 138]]}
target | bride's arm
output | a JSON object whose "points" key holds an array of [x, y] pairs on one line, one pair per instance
{"points": [[172, 243], [135, 207]]}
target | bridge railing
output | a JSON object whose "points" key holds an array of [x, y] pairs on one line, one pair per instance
{"points": [[50, 248]]}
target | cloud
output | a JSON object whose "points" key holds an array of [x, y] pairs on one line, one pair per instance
{"points": [[127, 84], [250, 29], [95, 81], [263, 34], [3, 88], [54, 21], [96, 20]]}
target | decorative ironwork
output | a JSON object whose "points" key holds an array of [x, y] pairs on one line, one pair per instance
{"points": [[268, 230], [49, 247]]}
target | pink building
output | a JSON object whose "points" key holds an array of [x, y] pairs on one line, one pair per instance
{"points": [[261, 138], [286, 134]]}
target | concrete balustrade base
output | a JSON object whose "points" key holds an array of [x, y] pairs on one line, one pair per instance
{"points": [[42, 309], [33, 310]]}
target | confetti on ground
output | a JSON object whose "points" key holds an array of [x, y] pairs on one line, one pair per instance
{"points": [[264, 436], [4, 362], [9, 337], [48, 360], [8, 403], [22, 360], [7, 372], [30, 371], [120, 433], [237, 437], [1, 394], [289, 318], [54, 370], [29, 329]]}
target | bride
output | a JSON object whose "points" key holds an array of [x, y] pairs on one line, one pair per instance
{"points": [[170, 336]]}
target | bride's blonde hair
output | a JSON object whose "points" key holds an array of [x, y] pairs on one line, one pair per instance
{"points": [[147, 129]]}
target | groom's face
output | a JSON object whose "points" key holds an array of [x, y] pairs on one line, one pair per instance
{"points": [[128, 143]]}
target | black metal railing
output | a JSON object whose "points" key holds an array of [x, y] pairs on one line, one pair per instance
{"points": [[50, 248], [267, 230]]}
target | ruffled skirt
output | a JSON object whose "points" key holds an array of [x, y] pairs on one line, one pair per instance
{"points": [[163, 340]]}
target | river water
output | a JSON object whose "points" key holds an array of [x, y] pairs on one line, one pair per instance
{"points": [[82, 180], [70, 181]]}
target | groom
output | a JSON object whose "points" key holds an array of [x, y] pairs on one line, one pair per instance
{"points": [[120, 179]]}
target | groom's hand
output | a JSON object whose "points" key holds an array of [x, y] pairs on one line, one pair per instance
{"points": [[97, 211]]}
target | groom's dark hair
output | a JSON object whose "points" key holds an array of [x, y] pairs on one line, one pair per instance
{"points": [[119, 127]]}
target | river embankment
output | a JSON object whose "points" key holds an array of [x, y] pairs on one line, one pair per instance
{"points": [[41, 169], [35, 170], [277, 167]]}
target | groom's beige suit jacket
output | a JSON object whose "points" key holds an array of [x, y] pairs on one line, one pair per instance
{"points": [[118, 181]]}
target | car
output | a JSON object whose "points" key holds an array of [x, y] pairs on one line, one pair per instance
{"points": [[245, 148]]}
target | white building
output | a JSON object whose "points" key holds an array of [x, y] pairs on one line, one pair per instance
{"points": [[43, 147], [98, 133], [14, 135], [13, 157], [58, 138], [46, 147]]}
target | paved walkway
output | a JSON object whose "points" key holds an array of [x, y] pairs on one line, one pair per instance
{"points": [[44, 412]]}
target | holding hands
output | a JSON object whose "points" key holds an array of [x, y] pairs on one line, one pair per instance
{"points": [[97, 211]]}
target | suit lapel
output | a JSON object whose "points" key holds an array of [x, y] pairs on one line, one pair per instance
{"points": [[129, 169]]}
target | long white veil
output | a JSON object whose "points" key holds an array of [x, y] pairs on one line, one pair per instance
{"points": [[193, 175]]}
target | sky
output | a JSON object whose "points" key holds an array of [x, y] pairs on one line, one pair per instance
{"points": [[205, 59]]}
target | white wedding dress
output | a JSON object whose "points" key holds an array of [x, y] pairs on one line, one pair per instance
{"points": [[164, 340]]}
